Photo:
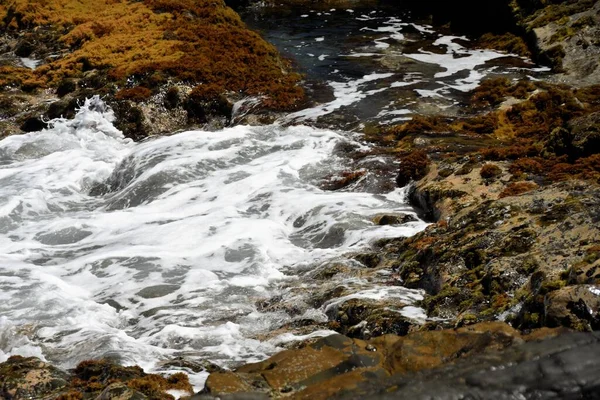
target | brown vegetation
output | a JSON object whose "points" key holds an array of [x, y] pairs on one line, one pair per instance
{"points": [[506, 42], [490, 171], [413, 166], [95, 375], [517, 188], [194, 41]]}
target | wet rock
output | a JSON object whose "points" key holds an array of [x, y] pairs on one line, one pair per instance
{"points": [[369, 260], [367, 318], [29, 378], [493, 255], [338, 364], [393, 219], [33, 124], [65, 87], [320, 369], [533, 370]]}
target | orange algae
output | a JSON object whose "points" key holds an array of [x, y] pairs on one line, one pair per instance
{"points": [[202, 42]]}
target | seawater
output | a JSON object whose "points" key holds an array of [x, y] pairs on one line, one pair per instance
{"points": [[147, 251]]}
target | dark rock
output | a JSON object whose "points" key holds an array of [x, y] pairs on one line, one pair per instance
{"points": [[65, 87], [393, 219], [338, 365], [172, 98], [130, 120], [369, 260], [586, 134], [24, 49], [33, 124], [65, 108]]}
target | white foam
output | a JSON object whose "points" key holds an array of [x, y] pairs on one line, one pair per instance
{"points": [[30, 62], [406, 295], [456, 59], [191, 230], [346, 93]]}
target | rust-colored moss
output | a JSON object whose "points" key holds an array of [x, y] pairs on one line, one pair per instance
{"points": [[490, 171], [589, 95], [93, 376], [527, 165], [584, 168], [199, 41], [138, 93], [543, 112], [512, 152], [517, 188], [70, 396], [421, 124], [492, 92], [413, 166], [479, 124]]}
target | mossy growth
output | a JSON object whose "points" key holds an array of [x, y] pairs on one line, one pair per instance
{"points": [[505, 42], [492, 92], [420, 124], [136, 94], [199, 41], [517, 188], [94, 375], [490, 171], [413, 166], [557, 12]]}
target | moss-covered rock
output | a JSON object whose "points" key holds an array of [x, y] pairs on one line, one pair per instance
{"points": [[30, 378], [134, 51]]}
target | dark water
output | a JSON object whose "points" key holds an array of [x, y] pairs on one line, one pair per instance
{"points": [[379, 65]]}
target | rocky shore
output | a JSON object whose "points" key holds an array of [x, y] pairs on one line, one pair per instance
{"points": [[161, 65], [508, 272]]}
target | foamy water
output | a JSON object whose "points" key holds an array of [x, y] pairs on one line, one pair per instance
{"points": [[146, 251]]}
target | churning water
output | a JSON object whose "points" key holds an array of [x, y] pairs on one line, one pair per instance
{"points": [[144, 250]]}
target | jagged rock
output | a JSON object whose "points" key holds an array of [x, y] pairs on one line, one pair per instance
{"points": [[493, 256], [566, 35]]}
